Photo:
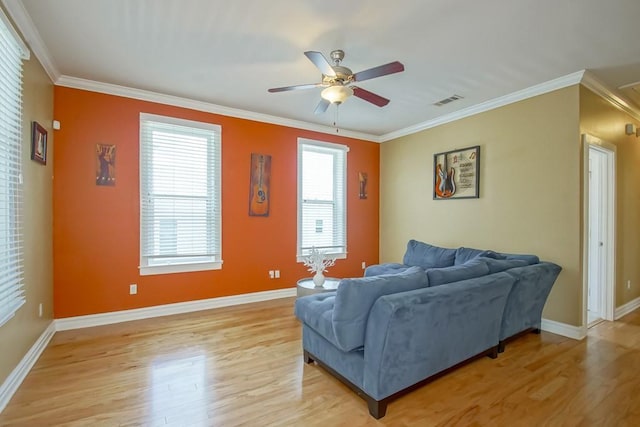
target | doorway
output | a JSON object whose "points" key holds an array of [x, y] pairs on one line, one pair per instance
{"points": [[600, 225]]}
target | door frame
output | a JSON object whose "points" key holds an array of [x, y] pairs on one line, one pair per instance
{"points": [[609, 288]]}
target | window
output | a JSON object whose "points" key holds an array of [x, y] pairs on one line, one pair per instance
{"points": [[180, 225], [12, 52], [322, 207]]}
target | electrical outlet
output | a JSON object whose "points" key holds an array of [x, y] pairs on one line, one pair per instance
{"points": [[40, 310], [628, 284], [133, 289], [277, 274], [364, 265], [272, 274]]}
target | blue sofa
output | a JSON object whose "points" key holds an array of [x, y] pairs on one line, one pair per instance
{"points": [[523, 311], [402, 325]]}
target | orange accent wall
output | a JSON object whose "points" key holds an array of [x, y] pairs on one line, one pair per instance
{"points": [[96, 229]]}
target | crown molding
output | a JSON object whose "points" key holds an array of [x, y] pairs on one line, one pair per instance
{"points": [[540, 89], [23, 21], [591, 82], [176, 101]]}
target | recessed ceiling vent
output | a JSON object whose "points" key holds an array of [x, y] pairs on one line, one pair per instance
{"points": [[447, 100]]}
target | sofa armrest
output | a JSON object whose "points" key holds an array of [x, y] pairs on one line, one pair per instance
{"points": [[528, 297], [413, 335]]}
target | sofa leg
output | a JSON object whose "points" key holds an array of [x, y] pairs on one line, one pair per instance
{"points": [[493, 352], [536, 331], [307, 357], [501, 346], [377, 408]]}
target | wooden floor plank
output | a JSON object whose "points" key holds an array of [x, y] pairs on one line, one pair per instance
{"points": [[243, 365]]}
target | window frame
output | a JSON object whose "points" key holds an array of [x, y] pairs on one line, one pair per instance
{"points": [[178, 264], [340, 215], [12, 290]]}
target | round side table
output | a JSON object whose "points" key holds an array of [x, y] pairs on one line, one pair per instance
{"points": [[307, 287]]}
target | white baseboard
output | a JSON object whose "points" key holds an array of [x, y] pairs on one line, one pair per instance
{"points": [[580, 332], [168, 309], [569, 331], [627, 308], [15, 378]]}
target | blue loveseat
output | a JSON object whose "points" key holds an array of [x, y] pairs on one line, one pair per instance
{"points": [[404, 324]]}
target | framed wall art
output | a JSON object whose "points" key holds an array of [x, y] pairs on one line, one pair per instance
{"points": [[105, 164], [260, 185], [38, 143], [362, 185], [456, 174]]}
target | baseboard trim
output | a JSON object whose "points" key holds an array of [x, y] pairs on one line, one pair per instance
{"points": [[90, 320], [15, 378], [569, 331], [627, 308]]}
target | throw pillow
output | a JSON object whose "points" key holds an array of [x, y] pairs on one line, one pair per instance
{"points": [[469, 270], [530, 259], [355, 297], [428, 256], [497, 265], [467, 254]]}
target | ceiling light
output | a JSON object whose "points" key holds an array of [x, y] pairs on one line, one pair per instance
{"points": [[337, 94]]}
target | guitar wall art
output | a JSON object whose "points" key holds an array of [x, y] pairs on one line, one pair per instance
{"points": [[260, 183], [456, 174]]}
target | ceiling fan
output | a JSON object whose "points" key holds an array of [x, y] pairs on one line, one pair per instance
{"points": [[337, 80]]}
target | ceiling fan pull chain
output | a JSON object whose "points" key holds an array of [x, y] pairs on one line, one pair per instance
{"points": [[335, 121]]}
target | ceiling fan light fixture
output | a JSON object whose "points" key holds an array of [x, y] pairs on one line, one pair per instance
{"points": [[336, 94]]}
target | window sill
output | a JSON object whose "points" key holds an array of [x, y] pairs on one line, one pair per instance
{"points": [[179, 268], [302, 258]]}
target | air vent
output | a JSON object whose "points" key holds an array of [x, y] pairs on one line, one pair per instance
{"points": [[447, 100]]}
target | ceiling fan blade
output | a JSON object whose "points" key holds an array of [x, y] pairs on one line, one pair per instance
{"points": [[320, 62], [322, 106], [381, 70], [369, 96], [296, 87]]}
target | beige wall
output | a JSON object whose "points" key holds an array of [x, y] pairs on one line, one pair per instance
{"points": [[20, 333], [602, 120], [530, 185]]}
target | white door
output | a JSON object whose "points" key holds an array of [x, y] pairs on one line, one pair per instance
{"points": [[599, 255], [597, 234]]}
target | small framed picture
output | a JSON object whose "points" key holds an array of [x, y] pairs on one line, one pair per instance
{"points": [[105, 164], [362, 181], [38, 143]]}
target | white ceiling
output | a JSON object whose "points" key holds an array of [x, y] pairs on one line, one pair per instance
{"points": [[228, 53]]}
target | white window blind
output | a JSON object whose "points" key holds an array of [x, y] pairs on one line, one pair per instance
{"points": [[180, 221], [12, 51], [322, 207]]}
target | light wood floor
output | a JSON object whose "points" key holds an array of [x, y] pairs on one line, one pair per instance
{"points": [[243, 366]]}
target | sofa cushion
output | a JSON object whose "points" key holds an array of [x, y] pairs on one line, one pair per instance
{"points": [[387, 268], [467, 254], [530, 259], [498, 265], [428, 256], [455, 273], [355, 297], [315, 311]]}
